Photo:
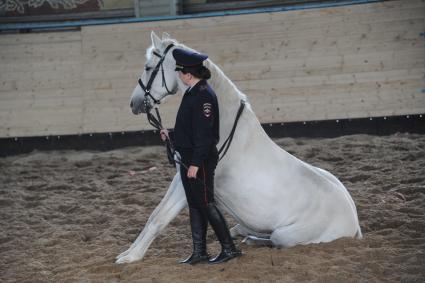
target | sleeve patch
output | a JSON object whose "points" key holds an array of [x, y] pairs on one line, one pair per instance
{"points": [[207, 109]]}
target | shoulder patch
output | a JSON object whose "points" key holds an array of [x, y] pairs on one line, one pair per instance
{"points": [[207, 109]]}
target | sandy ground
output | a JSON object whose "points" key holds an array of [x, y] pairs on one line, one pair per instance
{"points": [[65, 215]]}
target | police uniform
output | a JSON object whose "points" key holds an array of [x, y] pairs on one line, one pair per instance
{"points": [[195, 135]]}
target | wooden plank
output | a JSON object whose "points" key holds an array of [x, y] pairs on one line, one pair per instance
{"points": [[39, 38], [310, 62], [305, 111], [34, 122], [282, 86], [335, 65]]}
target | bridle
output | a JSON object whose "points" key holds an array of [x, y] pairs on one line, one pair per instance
{"points": [[156, 121], [147, 88]]}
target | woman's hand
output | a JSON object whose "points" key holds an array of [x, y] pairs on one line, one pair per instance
{"points": [[164, 134], [191, 172]]}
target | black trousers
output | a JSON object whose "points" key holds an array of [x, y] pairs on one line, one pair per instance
{"points": [[199, 191]]}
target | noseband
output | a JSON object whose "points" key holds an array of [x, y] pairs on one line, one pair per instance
{"points": [[147, 88]]}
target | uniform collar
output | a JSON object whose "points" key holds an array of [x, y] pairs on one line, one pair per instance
{"points": [[191, 89]]}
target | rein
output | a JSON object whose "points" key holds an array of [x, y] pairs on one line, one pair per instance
{"points": [[225, 146], [156, 122]]}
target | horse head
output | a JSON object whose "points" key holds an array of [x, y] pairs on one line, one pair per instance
{"points": [[158, 79]]}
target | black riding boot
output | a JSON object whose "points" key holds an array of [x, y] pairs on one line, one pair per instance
{"points": [[228, 249], [198, 225]]}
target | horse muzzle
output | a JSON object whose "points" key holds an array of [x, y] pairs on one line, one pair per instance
{"points": [[139, 106]]}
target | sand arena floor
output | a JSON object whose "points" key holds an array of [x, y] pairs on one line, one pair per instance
{"points": [[65, 215]]}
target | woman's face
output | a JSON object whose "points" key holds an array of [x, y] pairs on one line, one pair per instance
{"points": [[185, 77]]}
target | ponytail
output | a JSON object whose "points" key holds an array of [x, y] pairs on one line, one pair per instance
{"points": [[204, 73], [201, 72]]}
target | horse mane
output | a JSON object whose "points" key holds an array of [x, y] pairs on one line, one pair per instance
{"points": [[219, 81]]}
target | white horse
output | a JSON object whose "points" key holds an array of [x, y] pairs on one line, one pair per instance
{"points": [[273, 196]]}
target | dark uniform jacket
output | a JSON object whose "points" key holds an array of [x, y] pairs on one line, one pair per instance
{"points": [[197, 122]]}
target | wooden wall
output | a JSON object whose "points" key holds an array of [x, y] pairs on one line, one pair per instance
{"points": [[344, 62]]}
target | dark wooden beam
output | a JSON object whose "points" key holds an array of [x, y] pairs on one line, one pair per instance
{"points": [[328, 128]]}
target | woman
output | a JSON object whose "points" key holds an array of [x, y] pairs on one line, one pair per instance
{"points": [[195, 136]]}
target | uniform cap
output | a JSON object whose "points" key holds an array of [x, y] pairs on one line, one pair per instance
{"points": [[186, 58]]}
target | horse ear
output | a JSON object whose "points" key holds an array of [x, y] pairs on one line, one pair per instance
{"points": [[156, 41], [165, 36]]}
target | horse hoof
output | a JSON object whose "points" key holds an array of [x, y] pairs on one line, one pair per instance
{"points": [[127, 259], [123, 254], [248, 241], [124, 259]]}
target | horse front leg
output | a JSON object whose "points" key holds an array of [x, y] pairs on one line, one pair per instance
{"points": [[169, 207]]}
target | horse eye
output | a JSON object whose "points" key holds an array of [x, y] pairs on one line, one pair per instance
{"points": [[147, 68]]}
